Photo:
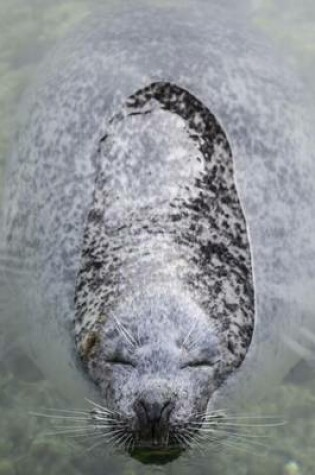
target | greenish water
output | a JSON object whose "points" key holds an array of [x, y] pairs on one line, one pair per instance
{"points": [[28, 28]]}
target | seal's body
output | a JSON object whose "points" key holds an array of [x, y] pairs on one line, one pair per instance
{"points": [[164, 157]]}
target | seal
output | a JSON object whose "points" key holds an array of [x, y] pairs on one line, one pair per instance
{"points": [[166, 243], [158, 200]]}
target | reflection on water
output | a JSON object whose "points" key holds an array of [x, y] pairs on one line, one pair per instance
{"points": [[27, 443]]}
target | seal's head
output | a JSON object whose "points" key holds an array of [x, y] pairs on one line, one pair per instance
{"points": [[156, 361]]}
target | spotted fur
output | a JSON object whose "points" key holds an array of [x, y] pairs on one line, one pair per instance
{"points": [[165, 205]]}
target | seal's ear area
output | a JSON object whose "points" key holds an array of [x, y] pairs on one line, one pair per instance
{"points": [[89, 345]]}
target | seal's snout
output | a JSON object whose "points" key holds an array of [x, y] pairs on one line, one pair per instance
{"points": [[153, 414]]}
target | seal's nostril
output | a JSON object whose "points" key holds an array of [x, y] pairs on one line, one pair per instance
{"points": [[167, 409], [154, 411]]}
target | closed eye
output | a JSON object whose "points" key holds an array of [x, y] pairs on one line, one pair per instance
{"points": [[120, 361], [198, 364]]}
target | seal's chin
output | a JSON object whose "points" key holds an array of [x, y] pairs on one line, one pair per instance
{"points": [[156, 455]]}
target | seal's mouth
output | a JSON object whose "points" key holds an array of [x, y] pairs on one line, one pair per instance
{"points": [[157, 455], [157, 450]]}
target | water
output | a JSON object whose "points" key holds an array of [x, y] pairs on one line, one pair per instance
{"points": [[28, 30]]}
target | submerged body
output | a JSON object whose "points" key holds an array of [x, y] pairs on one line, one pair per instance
{"points": [[153, 187]]}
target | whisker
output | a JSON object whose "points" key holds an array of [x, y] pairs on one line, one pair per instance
{"points": [[195, 343], [114, 431], [113, 443], [104, 438], [75, 426], [128, 443], [235, 424], [226, 417], [188, 335], [70, 411], [132, 446], [80, 436], [194, 440], [246, 437], [89, 449], [54, 416], [93, 426], [96, 435], [178, 440], [110, 422], [102, 409], [124, 332], [120, 441], [209, 413], [185, 440], [233, 445], [86, 430], [105, 415], [250, 435]]}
